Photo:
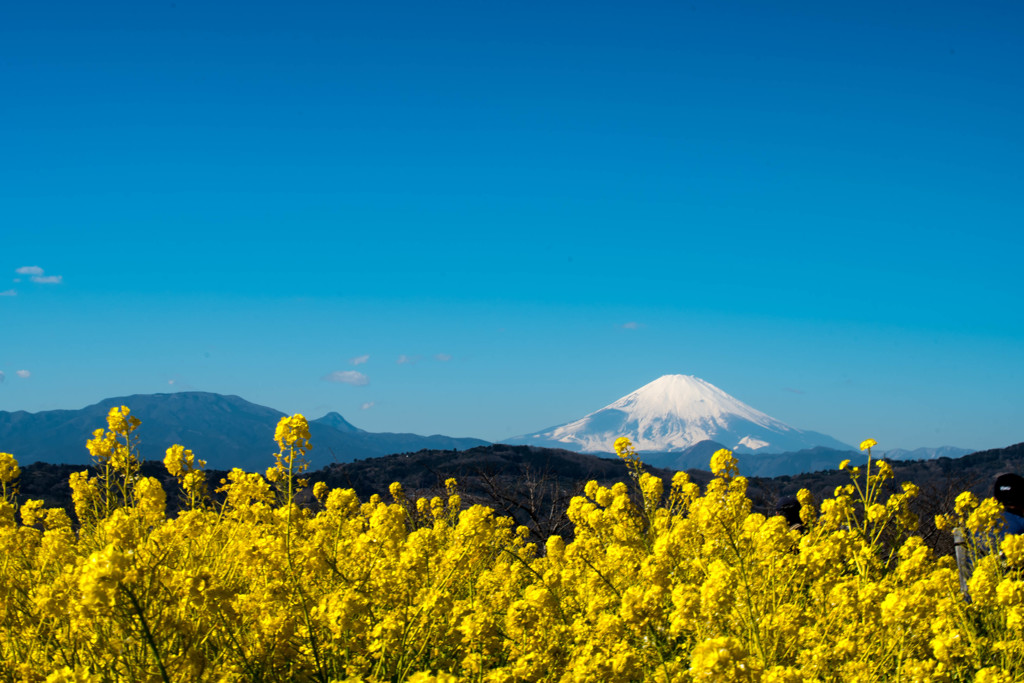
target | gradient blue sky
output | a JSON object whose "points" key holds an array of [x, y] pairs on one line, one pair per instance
{"points": [[815, 206]]}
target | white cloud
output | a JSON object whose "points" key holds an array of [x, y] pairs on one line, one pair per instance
{"points": [[2, 377], [632, 325], [9, 292], [359, 360], [352, 377], [443, 357], [406, 360], [170, 381], [36, 274], [366, 406], [24, 374]]}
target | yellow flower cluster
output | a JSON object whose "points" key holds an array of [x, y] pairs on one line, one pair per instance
{"points": [[659, 583], [9, 472], [188, 470]]}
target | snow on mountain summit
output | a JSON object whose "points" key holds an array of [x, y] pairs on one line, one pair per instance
{"points": [[686, 398], [673, 413]]}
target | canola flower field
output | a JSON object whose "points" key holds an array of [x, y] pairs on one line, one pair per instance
{"points": [[661, 582]]}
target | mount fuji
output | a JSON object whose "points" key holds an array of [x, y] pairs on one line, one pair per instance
{"points": [[674, 413]]}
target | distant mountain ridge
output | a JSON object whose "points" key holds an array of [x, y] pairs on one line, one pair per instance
{"points": [[674, 413], [333, 419], [925, 453], [793, 463], [226, 431], [790, 463]]}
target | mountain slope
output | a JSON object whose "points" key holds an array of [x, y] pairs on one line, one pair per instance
{"points": [[673, 413], [226, 431]]}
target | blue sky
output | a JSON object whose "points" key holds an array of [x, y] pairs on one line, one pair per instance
{"points": [[538, 207]]}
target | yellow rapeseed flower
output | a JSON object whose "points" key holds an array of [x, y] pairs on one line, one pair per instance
{"points": [[723, 463], [9, 470], [640, 584], [292, 432]]}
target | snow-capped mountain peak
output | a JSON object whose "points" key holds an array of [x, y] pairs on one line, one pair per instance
{"points": [[673, 413], [686, 397]]}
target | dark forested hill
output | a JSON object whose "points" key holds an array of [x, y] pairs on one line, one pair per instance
{"points": [[532, 484], [226, 431], [535, 485]]}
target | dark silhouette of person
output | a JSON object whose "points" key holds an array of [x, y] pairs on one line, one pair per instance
{"points": [[1009, 490], [789, 508]]}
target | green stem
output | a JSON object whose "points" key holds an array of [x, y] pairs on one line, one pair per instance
{"points": [[294, 575], [147, 633]]}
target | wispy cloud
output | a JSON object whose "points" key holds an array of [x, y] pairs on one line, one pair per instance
{"points": [[407, 360], [366, 406], [9, 292], [2, 377], [359, 360], [24, 374], [38, 275], [632, 325], [443, 357], [352, 377]]}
